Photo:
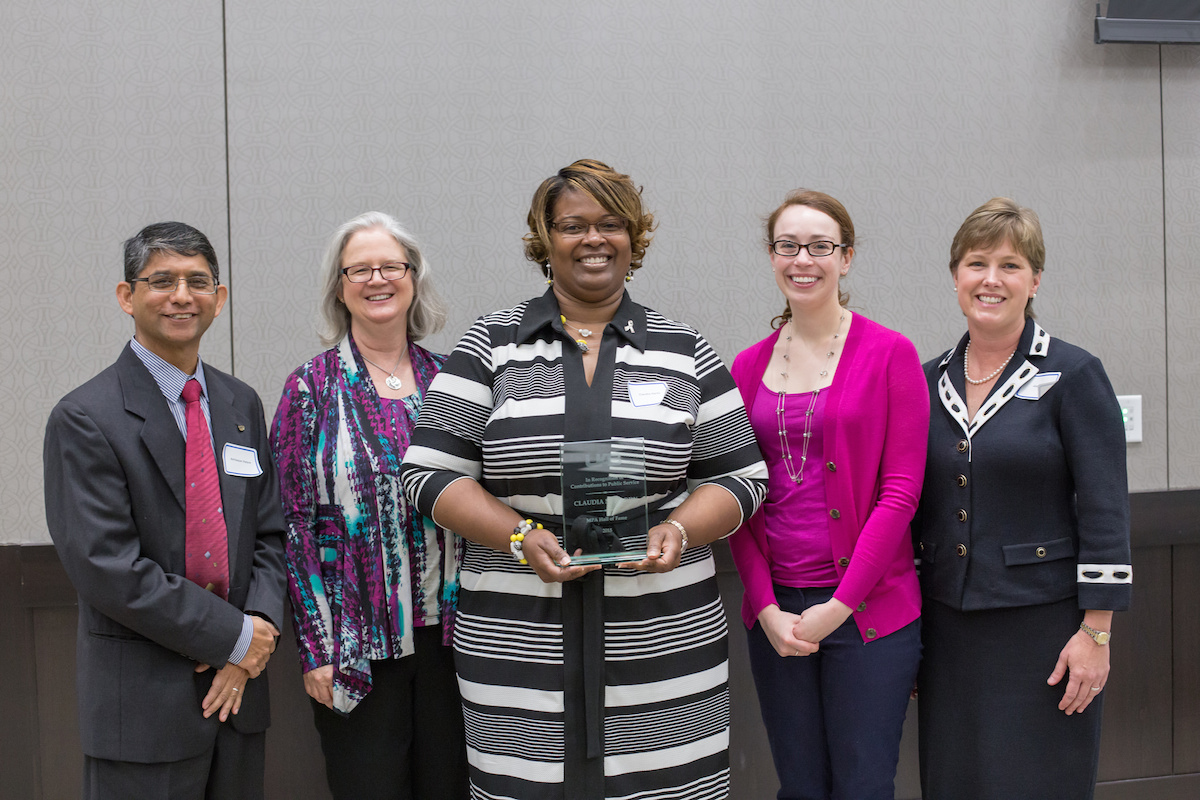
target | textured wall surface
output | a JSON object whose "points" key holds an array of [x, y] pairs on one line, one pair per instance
{"points": [[266, 124], [1181, 226]]}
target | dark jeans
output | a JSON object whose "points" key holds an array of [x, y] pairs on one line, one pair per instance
{"points": [[834, 718], [404, 741]]}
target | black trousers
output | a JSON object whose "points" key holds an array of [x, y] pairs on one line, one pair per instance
{"points": [[404, 741]]}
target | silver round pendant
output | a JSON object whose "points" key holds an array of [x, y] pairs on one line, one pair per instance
{"points": [[393, 383]]}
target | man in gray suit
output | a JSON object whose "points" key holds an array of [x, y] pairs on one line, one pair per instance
{"points": [[180, 594]]}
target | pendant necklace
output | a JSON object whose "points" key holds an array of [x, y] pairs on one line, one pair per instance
{"points": [[797, 475], [392, 381], [981, 381], [583, 332]]}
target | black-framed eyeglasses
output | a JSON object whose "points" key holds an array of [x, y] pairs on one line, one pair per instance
{"points": [[390, 271], [577, 229], [821, 249], [197, 284]]}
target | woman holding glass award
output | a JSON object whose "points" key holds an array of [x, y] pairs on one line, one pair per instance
{"points": [[581, 679]]}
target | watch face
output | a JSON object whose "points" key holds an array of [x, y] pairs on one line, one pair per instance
{"points": [[1102, 637]]}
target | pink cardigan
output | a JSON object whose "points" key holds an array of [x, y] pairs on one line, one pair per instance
{"points": [[876, 432]]}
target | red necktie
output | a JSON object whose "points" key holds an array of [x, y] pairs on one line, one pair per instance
{"points": [[207, 543]]}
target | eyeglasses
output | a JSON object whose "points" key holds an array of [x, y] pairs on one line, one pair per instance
{"points": [[787, 249], [574, 229], [391, 271], [162, 282]]}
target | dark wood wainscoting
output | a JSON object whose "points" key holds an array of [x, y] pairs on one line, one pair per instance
{"points": [[1151, 747]]}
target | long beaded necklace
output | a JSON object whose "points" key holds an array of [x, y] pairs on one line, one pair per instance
{"points": [[391, 380], [797, 475], [583, 332], [981, 381]]}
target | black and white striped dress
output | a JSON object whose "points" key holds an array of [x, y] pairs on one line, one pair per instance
{"points": [[614, 685]]}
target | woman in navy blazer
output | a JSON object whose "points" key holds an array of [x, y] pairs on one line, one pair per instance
{"points": [[1023, 532]]}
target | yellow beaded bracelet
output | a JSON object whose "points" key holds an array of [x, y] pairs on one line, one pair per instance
{"points": [[517, 539]]}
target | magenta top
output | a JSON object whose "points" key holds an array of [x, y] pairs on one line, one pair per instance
{"points": [[794, 513], [875, 432]]}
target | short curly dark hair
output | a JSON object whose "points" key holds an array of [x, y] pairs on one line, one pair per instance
{"points": [[611, 189]]}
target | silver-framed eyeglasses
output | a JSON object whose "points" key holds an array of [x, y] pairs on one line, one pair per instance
{"points": [[389, 271], [577, 229], [164, 282], [788, 249]]}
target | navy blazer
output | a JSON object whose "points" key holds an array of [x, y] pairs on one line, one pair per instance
{"points": [[114, 474], [1029, 502]]}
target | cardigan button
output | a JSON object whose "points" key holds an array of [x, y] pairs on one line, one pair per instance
{"points": [[871, 634], [962, 480], [835, 513], [961, 550], [862, 606], [961, 514], [843, 561], [962, 445], [829, 465], [1040, 552]]}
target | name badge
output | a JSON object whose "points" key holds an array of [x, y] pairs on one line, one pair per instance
{"points": [[241, 462], [1038, 385], [647, 393]]}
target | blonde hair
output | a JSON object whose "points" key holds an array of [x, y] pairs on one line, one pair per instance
{"points": [[997, 221]]}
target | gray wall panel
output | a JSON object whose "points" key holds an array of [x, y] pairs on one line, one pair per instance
{"points": [[112, 118], [449, 116], [1181, 139]]}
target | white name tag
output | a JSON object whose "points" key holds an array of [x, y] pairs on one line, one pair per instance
{"points": [[647, 393], [1038, 385], [241, 462]]}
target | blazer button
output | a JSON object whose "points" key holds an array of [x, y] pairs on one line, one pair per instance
{"points": [[961, 550], [843, 562], [961, 514], [829, 465], [962, 445], [835, 513], [871, 634], [862, 606], [962, 480], [1040, 552]]}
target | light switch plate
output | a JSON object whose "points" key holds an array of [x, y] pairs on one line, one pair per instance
{"points": [[1131, 413]]}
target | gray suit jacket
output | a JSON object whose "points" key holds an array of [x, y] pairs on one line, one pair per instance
{"points": [[114, 483]]}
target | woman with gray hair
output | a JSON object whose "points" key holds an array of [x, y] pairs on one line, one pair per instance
{"points": [[373, 582]]}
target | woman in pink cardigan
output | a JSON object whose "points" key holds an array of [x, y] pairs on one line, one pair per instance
{"points": [[841, 411]]}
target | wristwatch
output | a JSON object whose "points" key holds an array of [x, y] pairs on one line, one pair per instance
{"points": [[1100, 637]]}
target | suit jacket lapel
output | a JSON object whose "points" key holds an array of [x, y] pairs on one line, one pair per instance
{"points": [[229, 425], [160, 434]]}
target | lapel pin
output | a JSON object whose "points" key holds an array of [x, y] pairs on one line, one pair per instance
{"points": [[241, 428], [629, 326]]}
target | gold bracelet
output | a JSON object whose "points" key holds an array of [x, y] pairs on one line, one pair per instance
{"points": [[682, 532]]}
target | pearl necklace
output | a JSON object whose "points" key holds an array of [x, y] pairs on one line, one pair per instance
{"points": [[797, 475], [392, 381], [981, 381]]}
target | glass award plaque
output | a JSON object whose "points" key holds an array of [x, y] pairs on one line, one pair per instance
{"points": [[604, 500]]}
